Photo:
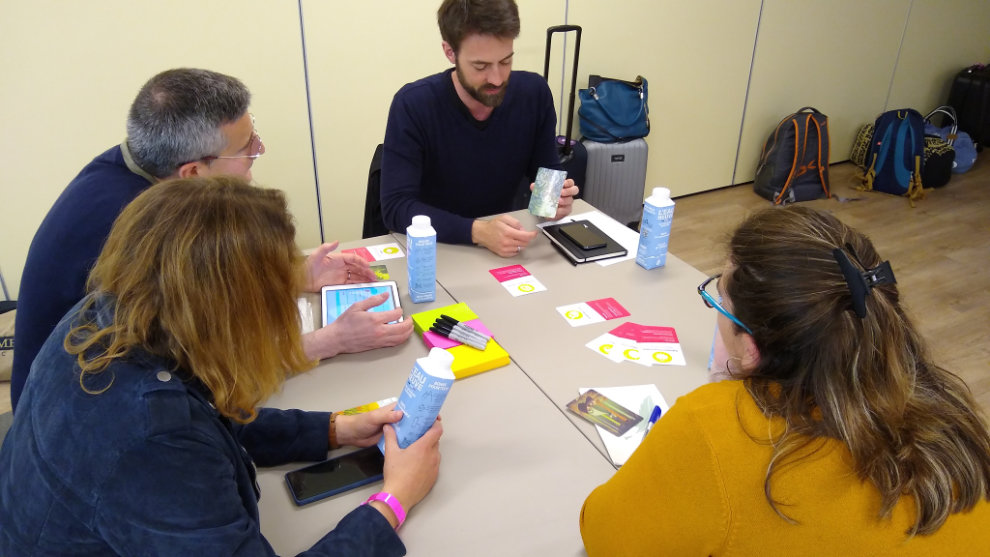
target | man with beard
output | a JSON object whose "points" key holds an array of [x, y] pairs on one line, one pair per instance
{"points": [[464, 143]]}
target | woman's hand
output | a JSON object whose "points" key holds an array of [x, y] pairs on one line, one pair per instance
{"points": [[364, 430], [411, 472]]}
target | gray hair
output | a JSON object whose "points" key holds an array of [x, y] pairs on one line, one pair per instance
{"points": [[176, 118]]}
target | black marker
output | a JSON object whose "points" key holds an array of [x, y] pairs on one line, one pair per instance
{"points": [[445, 330], [468, 329], [463, 330]]}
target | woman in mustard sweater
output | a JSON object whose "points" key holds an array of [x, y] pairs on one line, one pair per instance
{"points": [[837, 435]]}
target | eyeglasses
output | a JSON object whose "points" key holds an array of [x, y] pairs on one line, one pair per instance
{"points": [[255, 148], [716, 301]]}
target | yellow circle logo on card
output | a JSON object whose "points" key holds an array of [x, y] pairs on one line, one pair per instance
{"points": [[606, 348], [391, 250], [662, 357], [526, 287], [573, 314], [631, 354]]}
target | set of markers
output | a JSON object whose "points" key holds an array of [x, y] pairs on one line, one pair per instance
{"points": [[453, 329]]}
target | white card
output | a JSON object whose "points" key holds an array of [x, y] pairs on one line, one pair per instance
{"points": [[579, 314], [523, 285]]}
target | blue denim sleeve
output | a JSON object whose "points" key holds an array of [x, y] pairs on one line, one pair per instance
{"points": [[281, 436], [364, 532], [178, 494]]}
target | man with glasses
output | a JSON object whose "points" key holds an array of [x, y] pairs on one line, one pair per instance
{"points": [[183, 122]]}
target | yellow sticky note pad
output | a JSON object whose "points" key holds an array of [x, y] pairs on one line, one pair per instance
{"points": [[468, 361]]}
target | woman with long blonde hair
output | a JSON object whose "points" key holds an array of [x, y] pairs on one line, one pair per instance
{"points": [[139, 426], [835, 435]]}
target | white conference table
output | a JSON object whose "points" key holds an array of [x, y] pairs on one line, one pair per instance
{"points": [[516, 464]]}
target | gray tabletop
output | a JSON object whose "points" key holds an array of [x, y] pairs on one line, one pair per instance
{"points": [[516, 464], [552, 352]]}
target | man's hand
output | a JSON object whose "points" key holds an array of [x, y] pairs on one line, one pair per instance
{"points": [[503, 235], [358, 330], [324, 267], [566, 202]]}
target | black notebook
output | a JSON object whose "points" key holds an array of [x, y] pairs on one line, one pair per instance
{"points": [[581, 241]]}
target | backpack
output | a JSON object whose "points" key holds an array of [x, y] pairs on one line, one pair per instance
{"points": [[895, 159], [794, 161]]}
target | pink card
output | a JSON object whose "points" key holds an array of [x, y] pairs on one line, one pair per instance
{"points": [[608, 308], [503, 274], [645, 333], [362, 252]]}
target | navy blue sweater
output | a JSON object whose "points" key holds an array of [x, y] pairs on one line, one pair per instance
{"points": [[64, 250], [441, 162]]}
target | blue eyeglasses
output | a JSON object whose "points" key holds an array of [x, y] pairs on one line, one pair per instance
{"points": [[716, 301]]}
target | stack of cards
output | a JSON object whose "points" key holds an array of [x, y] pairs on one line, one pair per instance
{"points": [[645, 345], [604, 412], [641, 399]]}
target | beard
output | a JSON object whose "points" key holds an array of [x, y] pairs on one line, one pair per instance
{"points": [[486, 94]]}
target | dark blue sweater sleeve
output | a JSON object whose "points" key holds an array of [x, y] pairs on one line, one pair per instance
{"points": [[406, 147], [280, 436], [364, 532]]}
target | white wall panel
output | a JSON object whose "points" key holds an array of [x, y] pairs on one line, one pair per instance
{"points": [[360, 54], [837, 56], [71, 69], [696, 56], [942, 37]]}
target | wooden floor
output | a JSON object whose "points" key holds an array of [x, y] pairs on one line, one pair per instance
{"points": [[939, 252]]}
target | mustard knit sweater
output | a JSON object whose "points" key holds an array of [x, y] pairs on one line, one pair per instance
{"points": [[695, 487]]}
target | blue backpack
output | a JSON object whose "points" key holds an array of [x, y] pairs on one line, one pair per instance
{"points": [[896, 154]]}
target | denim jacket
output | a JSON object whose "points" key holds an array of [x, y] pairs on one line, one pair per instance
{"points": [[148, 466]]}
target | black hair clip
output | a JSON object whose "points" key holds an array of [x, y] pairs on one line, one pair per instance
{"points": [[860, 282]]}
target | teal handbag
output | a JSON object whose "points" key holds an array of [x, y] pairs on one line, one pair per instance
{"points": [[613, 110]]}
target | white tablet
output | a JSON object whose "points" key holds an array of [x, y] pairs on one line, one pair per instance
{"points": [[339, 297]]}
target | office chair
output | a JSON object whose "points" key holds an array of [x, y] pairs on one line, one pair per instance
{"points": [[373, 223]]}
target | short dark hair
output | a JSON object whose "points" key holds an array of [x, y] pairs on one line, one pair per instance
{"points": [[460, 18], [176, 118]]}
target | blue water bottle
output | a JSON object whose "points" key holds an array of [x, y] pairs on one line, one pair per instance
{"points": [[421, 260], [422, 397], [654, 231]]}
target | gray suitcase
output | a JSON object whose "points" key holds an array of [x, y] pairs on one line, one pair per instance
{"points": [[616, 178]]}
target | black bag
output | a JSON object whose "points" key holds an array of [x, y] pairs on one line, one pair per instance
{"points": [[794, 161], [573, 155], [939, 153], [970, 96], [939, 157]]}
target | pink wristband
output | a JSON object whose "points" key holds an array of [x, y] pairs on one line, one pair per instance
{"points": [[392, 502]]}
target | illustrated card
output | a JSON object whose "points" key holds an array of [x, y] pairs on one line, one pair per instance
{"points": [[546, 192], [604, 412], [381, 271]]}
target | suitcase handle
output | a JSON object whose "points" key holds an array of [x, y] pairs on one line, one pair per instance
{"points": [[546, 74]]}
